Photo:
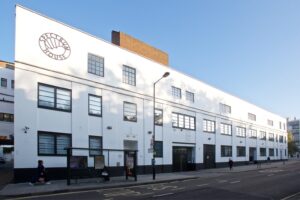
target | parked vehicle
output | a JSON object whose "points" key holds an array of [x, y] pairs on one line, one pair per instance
{"points": [[2, 160]]}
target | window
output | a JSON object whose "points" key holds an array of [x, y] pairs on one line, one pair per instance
{"points": [[226, 129], [3, 82], [262, 151], [271, 137], [252, 133], [95, 142], [189, 96], [280, 125], [12, 84], [226, 109], [270, 122], [158, 149], [240, 131], [276, 152], [183, 121], [176, 92], [240, 151], [283, 126], [129, 75], [54, 98], [95, 105], [130, 112], [7, 117], [251, 117], [209, 126], [226, 151], [95, 65], [263, 135], [271, 152], [158, 117], [53, 144]]}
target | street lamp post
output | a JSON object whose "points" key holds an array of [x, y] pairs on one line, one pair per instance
{"points": [[153, 137]]}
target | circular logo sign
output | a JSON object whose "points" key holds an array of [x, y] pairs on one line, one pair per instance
{"points": [[54, 46]]}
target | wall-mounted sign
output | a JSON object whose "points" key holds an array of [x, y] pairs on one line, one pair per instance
{"points": [[54, 46]]}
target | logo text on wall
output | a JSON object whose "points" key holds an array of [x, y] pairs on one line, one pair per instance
{"points": [[54, 46]]}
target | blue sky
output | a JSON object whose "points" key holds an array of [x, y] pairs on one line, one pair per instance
{"points": [[250, 49]]}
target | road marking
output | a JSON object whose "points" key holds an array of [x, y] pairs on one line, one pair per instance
{"points": [[222, 181], [291, 196], [161, 195], [233, 182], [181, 188], [205, 184]]}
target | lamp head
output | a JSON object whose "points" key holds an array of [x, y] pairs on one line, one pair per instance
{"points": [[166, 74]]}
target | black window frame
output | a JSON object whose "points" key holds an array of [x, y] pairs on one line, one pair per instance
{"points": [[240, 149], [91, 154], [161, 153], [9, 117], [55, 135], [124, 117], [4, 82], [224, 152], [162, 117], [184, 124], [55, 98], [92, 114], [127, 75], [271, 139], [12, 84], [101, 68], [265, 135], [260, 152], [207, 131], [175, 92], [271, 150]]}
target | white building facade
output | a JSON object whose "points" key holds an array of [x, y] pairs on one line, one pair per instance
{"points": [[73, 89]]}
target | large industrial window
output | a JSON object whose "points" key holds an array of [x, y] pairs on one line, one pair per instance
{"points": [[226, 151], [183, 121], [240, 131], [251, 117], [130, 112], [3, 82], [240, 151], [95, 105], [95, 65], [176, 92], [158, 117], [225, 109], [52, 97], [189, 96], [129, 75], [271, 152], [225, 129], [95, 142], [209, 126], [158, 149], [271, 137], [7, 117], [262, 151], [53, 144], [252, 133], [263, 135]]}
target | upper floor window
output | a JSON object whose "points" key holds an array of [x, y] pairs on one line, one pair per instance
{"points": [[52, 97], [251, 117], [209, 126], [240, 131], [225, 129], [158, 117], [7, 117], [176, 92], [263, 135], [95, 105], [281, 138], [183, 121], [270, 122], [271, 137], [3, 82], [283, 126], [189, 96], [53, 143], [252, 133], [280, 125], [130, 112], [95, 65], [12, 84], [129, 75], [226, 109]]}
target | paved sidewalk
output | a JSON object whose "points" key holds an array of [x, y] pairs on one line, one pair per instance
{"points": [[24, 189]]}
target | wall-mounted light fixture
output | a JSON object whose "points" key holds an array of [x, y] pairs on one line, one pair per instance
{"points": [[209, 138], [241, 142], [25, 129], [149, 132], [109, 127]]}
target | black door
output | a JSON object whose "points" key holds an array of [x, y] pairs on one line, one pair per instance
{"points": [[209, 153], [181, 158], [252, 154]]}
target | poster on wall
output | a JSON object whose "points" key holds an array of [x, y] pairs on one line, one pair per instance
{"points": [[78, 162], [99, 162]]}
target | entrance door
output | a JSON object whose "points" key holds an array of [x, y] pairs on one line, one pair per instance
{"points": [[209, 153], [182, 159], [252, 154]]}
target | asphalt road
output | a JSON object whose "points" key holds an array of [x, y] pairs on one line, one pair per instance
{"points": [[275, 183]]}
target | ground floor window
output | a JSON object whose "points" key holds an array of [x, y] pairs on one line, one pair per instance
{"points": [[226, 151], [240, 151], [271, 152], [53, 144], [262, 151], [158, 149], [95, 142]]}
